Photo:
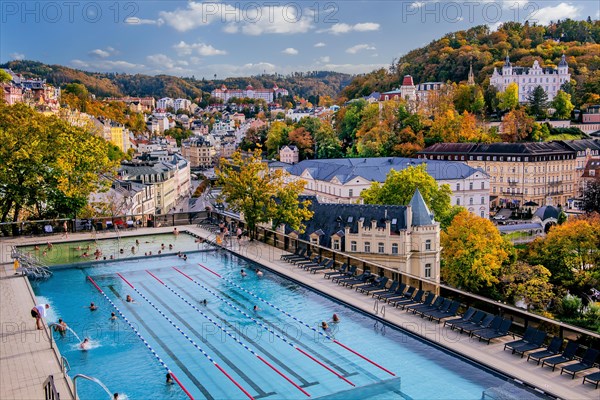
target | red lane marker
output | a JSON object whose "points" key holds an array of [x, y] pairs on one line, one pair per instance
{"points": [[324, 366], [282, 375], [126, 281], [210, 270], [233, 380], [364, 358], [94, 283], [181, 386], [187, 276], [155, 277]]}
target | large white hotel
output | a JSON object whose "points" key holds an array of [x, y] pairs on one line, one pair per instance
{"points": [[249, 93], [550, 79]]}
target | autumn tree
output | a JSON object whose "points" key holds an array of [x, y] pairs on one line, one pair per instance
{"points": [[49, 167], [563, 106], [261, 195], [528, 283], [303, 140], [509, 99], [516, 126], [327, 144], [473, 252], [538, 102], [469, 98], [4, 76], [400, 186]]}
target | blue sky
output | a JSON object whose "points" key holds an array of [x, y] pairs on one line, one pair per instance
{"points": [[242, 38]]}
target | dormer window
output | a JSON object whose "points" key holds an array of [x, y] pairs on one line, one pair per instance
{"points": [[336, 244]]}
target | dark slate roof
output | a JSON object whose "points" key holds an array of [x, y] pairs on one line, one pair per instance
{"points": [[331, 218], [582, 144], [518, 227], [546, 212], [498, 148], [420, 213], [377, 168], [563, 62]]}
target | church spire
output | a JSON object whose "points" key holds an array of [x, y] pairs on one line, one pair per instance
{"points": [[471, 80], [507, 60]]}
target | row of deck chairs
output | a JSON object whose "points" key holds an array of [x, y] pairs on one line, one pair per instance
{"points": [[482, 325], [551, 356]]}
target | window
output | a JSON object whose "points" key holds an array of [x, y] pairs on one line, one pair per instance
{"points": [[470, 185], [381, 248], [395, 248], [427, 270], [367, 247], [458, 202], [353, 246], [458, 186], [314, 240], [483, 185], [482, 214], [482, 200], [428, 244], [336, 244], [350, 193], [471, 201]]}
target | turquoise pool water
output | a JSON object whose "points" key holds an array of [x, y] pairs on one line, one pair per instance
{"points": [[61, 253], [170, 316]]}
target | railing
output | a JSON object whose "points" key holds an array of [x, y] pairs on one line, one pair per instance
{"points": [[50, 392], [30, 265], [520, 317], [64, 364]]}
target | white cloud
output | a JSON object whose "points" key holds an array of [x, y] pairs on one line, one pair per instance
{"points": [[360, 47], [143, 21], [320, 44], [366, 27], [247, 20], [108, 65], [417, 4], [341, 28], [544, 15], [290, 51], [325, 59], [17, 56], [161, 60], [99, 53], [184, 49]]}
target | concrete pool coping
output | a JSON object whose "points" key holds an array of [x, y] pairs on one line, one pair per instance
{"points": [[25, 359]]}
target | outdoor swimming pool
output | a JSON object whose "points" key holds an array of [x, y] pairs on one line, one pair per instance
{"points": [[110, 246], [226, 350]]}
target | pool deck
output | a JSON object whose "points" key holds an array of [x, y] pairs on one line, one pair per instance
{"points": [[26, 358]]}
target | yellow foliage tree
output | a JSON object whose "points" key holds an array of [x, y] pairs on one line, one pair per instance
{"points": [[473, 252]]}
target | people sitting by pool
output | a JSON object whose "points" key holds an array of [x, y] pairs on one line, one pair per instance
{"points": [[146, 253], [113, 316], [324, 325], [85, 345], [335, 318], [61, 327], [150, 253], [93, 307], [259, 273], [169, 379], [129, 299], [175, 232], [243, 273], [112, 257]]}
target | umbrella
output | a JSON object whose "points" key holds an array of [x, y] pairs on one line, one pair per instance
{"points": [[531, 204]]}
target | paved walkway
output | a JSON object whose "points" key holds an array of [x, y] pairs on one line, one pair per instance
{"points": [[26, 359]]}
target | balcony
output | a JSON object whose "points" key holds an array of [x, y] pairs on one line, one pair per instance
{"points": [[513, 183], [555, 183]]}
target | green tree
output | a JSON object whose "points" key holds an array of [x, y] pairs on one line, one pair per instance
{"points": [[563, 106], [473, 252], [591, 195], [327, 143], [400, 186], [468, 98], [179, 134], [538, 102], [509, 99], [528, 283], [277, 137], [48, 168], [260, 195]]}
